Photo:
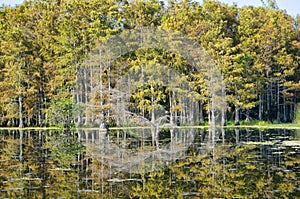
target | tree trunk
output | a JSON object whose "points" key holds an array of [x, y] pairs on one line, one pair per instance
{"points": [[278, 101], [21, 125], [284, 110], [109, 89], [101, 100], [212, 115], [268, 99], [201, 117], [28, 121], [77, 97], [293, 109], [152, 108], [237, 116], [85, 82], [247, 115], [213, 120], [223, 107], [41, 115], [171, 110], [92, 93], [190, 114], [261, 107]]}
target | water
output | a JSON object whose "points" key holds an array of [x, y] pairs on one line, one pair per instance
{"points": [[182, 163]]}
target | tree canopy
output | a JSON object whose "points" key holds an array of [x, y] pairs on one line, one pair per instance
{"points": [[45, 79]]}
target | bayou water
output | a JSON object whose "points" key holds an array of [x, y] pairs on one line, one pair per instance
{"points": [[131, 163]]}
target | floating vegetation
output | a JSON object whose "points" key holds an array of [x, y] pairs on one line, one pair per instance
{"points": [[260, 143], [117, 180], [291, 143]]}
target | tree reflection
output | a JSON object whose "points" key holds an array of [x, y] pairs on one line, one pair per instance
{"points": [[18, 165], [226, 171], [53, 165], [69, 165]]}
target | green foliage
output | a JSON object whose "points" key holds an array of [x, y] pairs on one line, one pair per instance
{"points": [[297, 114], [62, 112], [255, 123], [43, 45]]}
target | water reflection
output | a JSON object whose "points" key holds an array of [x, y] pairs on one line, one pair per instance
{"points": [[229, 163]]}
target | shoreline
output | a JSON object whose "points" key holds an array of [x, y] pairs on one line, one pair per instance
{"points": [[268, 126]]}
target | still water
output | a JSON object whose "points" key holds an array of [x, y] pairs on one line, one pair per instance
{"points": [[181, 163]]}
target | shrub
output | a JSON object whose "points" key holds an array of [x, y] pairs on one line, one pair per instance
{"points": [[297, 114]]}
